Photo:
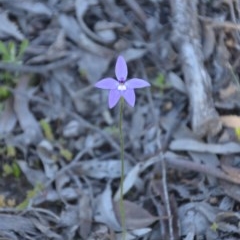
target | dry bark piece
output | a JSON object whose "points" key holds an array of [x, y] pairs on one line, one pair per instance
{"points": [[185, 36]]}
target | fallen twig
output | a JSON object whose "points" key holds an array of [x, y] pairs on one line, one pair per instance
{"points": [[166, 196], [41, 69], [218, 24], [179, 163]]}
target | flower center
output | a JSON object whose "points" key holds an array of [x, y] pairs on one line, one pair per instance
{"points": [[121, 80], [121, 87]]}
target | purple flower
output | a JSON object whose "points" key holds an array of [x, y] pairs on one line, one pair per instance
{"points": [[120, 87]]}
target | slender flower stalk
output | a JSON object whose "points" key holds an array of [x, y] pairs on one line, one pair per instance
{"points": [[122, 210], [121, 89]]}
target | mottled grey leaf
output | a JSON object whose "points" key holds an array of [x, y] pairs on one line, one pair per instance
{"points": [[27, 121], [45, 151], [102, 169]]}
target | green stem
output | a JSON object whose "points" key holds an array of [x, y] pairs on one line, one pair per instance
{"points": [[122, 210]]}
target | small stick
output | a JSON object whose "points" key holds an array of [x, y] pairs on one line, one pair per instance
{"points": [[166, 196], [197, 167]]}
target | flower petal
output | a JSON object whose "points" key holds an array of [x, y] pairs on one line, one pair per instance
{"points": [[107, 83], [129, 96], [137, 83], [113, 97], [121, 69]]}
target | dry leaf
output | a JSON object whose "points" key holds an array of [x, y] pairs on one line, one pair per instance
{"points": [[231, 171], [45, 151], [69, 216], [229, 91], [109, 169], [16, 223], [228, 222], [55, 51], [133, 234], [175, 81], [106, 34], [192, 145], [231, 190], [137, 127], [136, 217], [72, 129], [190, 236], [133, 53], [196, 217], [208, 40], [104, 211], [85, 215], [33, 176], [231, 121], [93, 72], [74, 32], [133, 176], [29, 124], [129, 181], [8, 118], [37, 8], [61, 181], [8, 28], [68, 194]]}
